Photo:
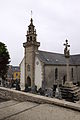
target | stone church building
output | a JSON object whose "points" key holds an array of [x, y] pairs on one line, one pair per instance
{"points": [[45, 69]]}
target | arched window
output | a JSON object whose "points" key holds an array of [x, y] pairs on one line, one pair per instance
{"points": [[34, 38], [64, 79], [56, 74], [16, 74], [72, 72], [27, 38], [29, 29], [28, 81], [30, 38]]}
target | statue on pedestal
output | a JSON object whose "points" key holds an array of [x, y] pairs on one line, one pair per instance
{"points": [[66, 50], [69, 91]]}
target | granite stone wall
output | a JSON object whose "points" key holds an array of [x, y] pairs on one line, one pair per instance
{"points": [[50, 74], [21, 96]]}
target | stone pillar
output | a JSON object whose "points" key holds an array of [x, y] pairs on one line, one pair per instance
{"points": [[67, 56], [69, 91], [67, 69]]}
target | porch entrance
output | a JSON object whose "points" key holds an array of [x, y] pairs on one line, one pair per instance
{"points": [[29, 81]]}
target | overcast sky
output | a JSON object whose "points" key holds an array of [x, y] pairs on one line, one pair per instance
{"points": [[54, 20]]}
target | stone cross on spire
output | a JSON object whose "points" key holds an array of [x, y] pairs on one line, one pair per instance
{"points": [[31, 13], [66, 50], [31, 18]]}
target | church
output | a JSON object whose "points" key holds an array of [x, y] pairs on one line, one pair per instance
{"points": [[45, 69]]}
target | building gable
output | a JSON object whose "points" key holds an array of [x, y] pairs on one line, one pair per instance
{"points": [[38, 73]]}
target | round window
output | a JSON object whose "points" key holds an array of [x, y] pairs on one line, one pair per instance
{"points": [[37, 63]]}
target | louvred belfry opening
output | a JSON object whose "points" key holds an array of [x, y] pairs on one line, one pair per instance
{"points": [[31, 33]]}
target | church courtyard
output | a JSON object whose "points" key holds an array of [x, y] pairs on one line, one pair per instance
{"points": [[15, 110]]}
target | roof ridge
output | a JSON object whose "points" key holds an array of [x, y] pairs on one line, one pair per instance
{"points": [[57, 58], [50, 52], [75, 55]]}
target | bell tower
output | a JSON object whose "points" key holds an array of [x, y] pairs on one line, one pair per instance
{"points": [[31, 46]]}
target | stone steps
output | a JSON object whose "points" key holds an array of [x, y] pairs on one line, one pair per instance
{"points": [[70, 93]]}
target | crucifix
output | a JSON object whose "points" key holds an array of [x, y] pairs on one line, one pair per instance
{"points": [[68, 89], [31, 13], [66, 51], [67, 55], [31, 18]]}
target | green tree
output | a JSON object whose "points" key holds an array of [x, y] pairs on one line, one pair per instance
{"points": [[4, 60]]}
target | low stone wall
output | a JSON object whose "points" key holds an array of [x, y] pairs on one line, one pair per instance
{"points": [[22, 96]]}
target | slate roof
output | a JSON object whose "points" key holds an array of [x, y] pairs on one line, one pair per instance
{"points": [[15, 69], [50, 58]]}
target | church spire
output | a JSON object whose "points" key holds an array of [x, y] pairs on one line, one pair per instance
{"points": [[31, 47], [31, 19], [31, 33], [31, 36]]}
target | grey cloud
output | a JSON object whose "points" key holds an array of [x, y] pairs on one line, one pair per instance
{"points": [[55, 20]]}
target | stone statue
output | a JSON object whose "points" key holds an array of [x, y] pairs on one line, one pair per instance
{"points": [[66, 50]]}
